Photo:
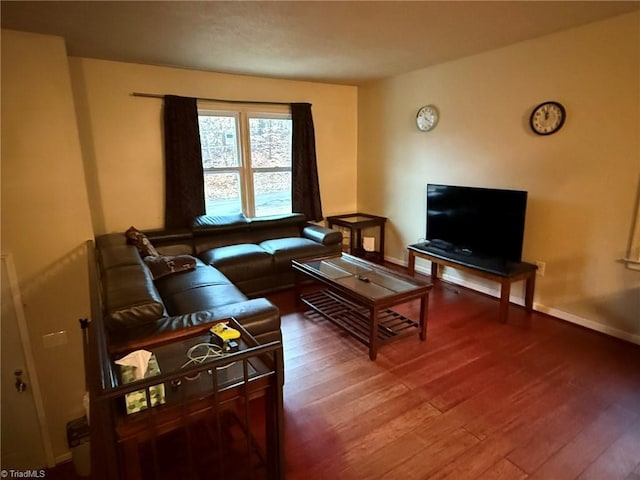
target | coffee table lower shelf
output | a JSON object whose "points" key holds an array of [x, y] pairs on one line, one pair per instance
{"points": [[356, 319]]}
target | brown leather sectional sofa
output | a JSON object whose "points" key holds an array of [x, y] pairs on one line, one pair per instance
{"points": [[231, 261]]}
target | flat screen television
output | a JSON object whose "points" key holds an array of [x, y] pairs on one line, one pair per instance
{"points": [[486, 222]]}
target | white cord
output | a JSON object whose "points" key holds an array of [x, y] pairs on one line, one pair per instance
{"points": [[212, 351]]}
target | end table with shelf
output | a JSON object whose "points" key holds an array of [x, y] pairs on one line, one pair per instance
{"points": [[210, 395], [355, 224]]}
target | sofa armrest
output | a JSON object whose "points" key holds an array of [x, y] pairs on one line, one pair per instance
{"points": [[323, 235], [258, 316], [161, 338]]}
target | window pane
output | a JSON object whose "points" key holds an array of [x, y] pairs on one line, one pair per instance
{"points": [[272, 193], [222, 193], [270, 142], [218, 137]]}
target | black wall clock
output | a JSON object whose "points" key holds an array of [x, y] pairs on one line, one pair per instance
{"points": [[547, 118]]}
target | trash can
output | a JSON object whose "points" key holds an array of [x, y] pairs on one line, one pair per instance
{"points": [[78, 441]]}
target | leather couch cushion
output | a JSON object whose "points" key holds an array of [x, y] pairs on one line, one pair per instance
{"points": [[203, 298], [276, 226], [131, 297], [231, 254], [259, 286], [286, 249], [239, 262], [202, 276], [259, 316], [119, 256], [218, 231], [214, 232], [110, 240]]}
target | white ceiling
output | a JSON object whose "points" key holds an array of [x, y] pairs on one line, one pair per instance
{"points": [[337, 41]]}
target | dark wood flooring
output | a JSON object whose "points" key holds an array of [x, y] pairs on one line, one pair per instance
{"points": [[536, 398]]}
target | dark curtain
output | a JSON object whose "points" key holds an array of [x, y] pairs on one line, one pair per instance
{"points": [[184, 183], [305, 188]]}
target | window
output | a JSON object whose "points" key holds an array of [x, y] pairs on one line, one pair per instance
{"points": [[246, 156]]}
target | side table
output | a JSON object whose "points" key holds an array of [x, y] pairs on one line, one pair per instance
{"points": [[356, 223], [207, 418]]}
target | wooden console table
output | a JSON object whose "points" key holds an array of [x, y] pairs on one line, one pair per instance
{"points": [[507, 274]]}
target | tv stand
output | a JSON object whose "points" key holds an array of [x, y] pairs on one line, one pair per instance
{"points": [[498, 270]]}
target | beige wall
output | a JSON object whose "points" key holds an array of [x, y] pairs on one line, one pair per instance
{"points": [[483, 139], [45, 216], [60, 175], [582, 181], [122, 140]]}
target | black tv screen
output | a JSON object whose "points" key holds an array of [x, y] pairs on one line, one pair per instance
{"points": [[477, 221]]}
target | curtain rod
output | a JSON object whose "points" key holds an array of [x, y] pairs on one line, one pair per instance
{"points": [[155, 95]]}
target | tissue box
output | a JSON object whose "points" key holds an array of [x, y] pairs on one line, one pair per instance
{"points": [[137, 401]]}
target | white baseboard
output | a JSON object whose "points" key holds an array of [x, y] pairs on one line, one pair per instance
{"points": [[584, 322], [538, 307]]}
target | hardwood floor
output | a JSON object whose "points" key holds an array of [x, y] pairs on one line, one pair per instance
{"points": [[536, 398]]}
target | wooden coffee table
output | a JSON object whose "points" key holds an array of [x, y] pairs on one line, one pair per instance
{"points": [[357, 295]]}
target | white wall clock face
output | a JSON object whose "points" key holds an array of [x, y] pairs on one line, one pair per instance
{"points": [[547, 118], [427, 118]]}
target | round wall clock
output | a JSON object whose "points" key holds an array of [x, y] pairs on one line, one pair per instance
{"points": [[427, 118], [547, 118]]}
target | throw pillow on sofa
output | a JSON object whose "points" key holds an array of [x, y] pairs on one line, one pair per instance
{"points": [[142, 243], [161, 266]]}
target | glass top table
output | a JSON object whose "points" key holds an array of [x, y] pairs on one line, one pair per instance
{"points": [[366, 279], [354, 225], [358, 296], [200, 383]]}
